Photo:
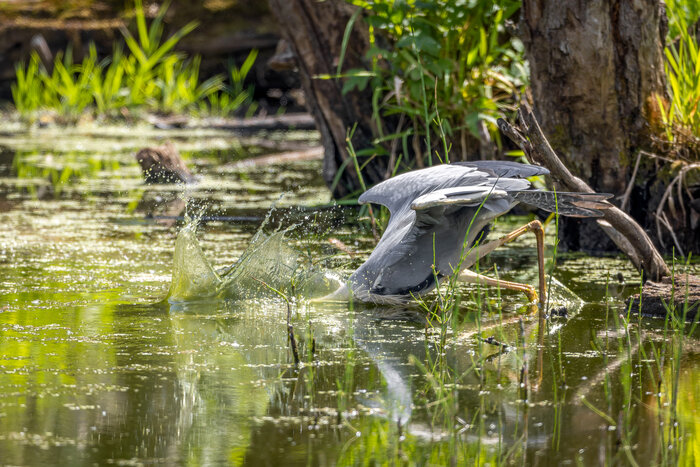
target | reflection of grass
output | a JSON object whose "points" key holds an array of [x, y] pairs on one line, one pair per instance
{"points": [[59, 171], [385, 443], [63, 170], [688, 405], [647, 363], [670, 371]]}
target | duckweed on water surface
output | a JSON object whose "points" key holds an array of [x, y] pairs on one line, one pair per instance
{"points": [[96, 368]]}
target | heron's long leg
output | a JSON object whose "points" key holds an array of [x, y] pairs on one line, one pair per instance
{"points": [[471, 277], [481, 251]]}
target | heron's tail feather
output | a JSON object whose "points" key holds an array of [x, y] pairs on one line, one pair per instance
{"points": [[567, 204]]}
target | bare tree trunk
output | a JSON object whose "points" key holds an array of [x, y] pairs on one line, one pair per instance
{"points": [[315, 32], [596, 72]]}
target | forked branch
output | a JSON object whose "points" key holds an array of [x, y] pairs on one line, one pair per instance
{"points": [[627, 234]]}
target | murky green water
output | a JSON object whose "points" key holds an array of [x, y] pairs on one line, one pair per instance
{"points": [[95, 368]]}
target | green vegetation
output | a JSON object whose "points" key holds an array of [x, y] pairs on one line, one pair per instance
{"points": [[442, 69], [86, 347], [681, 116], [149, 75], [236, 95], [83, 275]]}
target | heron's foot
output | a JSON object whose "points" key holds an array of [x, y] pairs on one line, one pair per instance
{"points": [[535, 226], [534, 306], [531, 293]]}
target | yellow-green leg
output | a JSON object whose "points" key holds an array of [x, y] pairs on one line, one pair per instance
{"points": [[472, 257]]}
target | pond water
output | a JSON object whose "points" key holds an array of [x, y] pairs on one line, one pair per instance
{"points": [[97, 367]]}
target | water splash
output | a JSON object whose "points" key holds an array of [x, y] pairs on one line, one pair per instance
{"points": [[562, 296], [268, 262]]}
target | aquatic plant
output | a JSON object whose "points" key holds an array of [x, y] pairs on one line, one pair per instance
{"points": [[681, 14], [66, 89], [27, 88], [109, 89]]}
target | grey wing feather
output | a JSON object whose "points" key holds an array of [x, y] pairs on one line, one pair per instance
{"points": [[381, 193], [567, 204], [401, 190], [506, 169], [465, 196]]}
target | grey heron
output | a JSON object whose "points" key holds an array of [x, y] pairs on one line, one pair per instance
{"points": [[438, 213]]}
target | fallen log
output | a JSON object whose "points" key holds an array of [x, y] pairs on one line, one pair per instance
{"points": [[315, 153], [297, 121], [669, 296], [286, 122]]}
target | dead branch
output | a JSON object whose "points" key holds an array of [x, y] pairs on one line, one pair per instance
{"points": [[538, 150], [628, 192], [661, 219], [314, 153]]}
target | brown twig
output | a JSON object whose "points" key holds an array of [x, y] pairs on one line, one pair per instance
{"points": [[661, 219], [630, 185], [538, 150]]}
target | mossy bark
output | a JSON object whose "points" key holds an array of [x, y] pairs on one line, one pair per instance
{"points": [[315, 32], [680, 295], [596, 70]]}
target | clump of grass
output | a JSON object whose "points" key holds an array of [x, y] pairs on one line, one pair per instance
{"points": [[680, 115], [149, 75], [681, 14], [233, 96]]}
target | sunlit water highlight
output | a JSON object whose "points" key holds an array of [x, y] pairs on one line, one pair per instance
{"points": [[97, 368]]}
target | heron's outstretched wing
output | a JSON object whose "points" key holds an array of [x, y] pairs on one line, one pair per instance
{"points": [[506, 169], [440, 207], [400, 191], [494, 193], [464, 196]]}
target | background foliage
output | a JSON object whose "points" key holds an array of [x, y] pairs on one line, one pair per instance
{"points": [[148, 75], [680, 114], [444, 68]]}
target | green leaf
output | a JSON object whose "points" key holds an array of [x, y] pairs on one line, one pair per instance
{"points": [[421, 43], [346, 39], [141, 24]]}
